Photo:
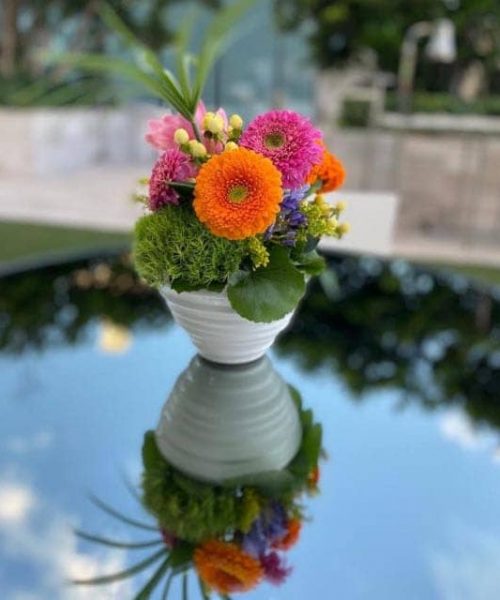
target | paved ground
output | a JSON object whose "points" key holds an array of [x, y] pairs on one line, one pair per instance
{"points": [[98, 198]]}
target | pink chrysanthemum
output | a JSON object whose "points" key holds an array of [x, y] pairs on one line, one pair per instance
{"points": [[173, 165], [289, 140], [275, 571]]}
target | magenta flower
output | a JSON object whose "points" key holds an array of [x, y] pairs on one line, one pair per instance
{"points": [[173, 165], [289, 140], [161, 131], [275, 570]]}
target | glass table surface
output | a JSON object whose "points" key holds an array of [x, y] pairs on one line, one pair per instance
{"points": [[400, 365]]}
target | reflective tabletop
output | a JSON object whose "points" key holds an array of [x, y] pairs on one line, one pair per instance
{"points": [[399, 365]]}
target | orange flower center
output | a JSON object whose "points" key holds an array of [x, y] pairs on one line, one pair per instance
{"points": [[237, 194], [274, 140]]}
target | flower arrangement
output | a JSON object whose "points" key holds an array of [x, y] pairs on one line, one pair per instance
{"points": [[234, 535], [230, 206], [238, 208]]}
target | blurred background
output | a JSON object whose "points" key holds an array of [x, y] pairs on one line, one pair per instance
{"points": [[407, 91]]}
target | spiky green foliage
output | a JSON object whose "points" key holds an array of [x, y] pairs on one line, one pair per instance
{"points": [[182, 90], [172, 246], [193, 511]]}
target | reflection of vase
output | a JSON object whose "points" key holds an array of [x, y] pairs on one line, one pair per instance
{"points": [[219, 333], [224, 421]]}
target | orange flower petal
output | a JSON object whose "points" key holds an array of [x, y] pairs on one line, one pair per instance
{"points": [[237, 194], [291, 536], [225, 568], [330, 172]]}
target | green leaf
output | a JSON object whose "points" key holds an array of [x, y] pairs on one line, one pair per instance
{"points": [[310, 263], [168, 583], [204, 591], [296, 396], [122, 574], [117, 515], [151, 456], [166, 81], [181, 554], [222, 26], [268, 293], [152, 584], [107, 542]]}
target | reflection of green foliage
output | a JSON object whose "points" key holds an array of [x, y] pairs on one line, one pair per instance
{"points": [[171, 245], [398, 326], [192, 510], [195, 511], [56, 304]]}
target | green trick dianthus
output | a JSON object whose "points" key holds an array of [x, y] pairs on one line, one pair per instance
{"points": [[172, 246]]}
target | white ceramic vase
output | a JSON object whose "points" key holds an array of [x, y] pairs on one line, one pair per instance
{"points": [[223, 421], [219, 333]]}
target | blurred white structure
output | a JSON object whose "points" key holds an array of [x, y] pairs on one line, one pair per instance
{"points": [[372, 216]]}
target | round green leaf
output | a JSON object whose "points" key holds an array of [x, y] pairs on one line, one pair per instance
{"points": [[268, 293]]}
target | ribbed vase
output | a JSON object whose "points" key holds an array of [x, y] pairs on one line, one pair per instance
{"points": [[222, 421], [219, 333]]}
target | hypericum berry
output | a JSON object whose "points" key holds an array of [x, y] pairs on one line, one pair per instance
{"points": [[181, 137]]}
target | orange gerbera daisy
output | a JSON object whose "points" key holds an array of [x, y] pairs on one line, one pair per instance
{"points": [[237, 194], [291, 536], [225, 568], [330, 172]]}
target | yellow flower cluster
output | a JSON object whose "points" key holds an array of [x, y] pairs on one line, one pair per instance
{"points": [[322, 218], [258, 252]]}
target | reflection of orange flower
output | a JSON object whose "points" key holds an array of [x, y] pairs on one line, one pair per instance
{"points": [[313, 478], [291, 536], [237, 194], [330, 172], [225, 568]]}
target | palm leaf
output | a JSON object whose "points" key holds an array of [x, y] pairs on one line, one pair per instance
{"points": [[185, 587], [183, 59], [144, 564], [204, 594], [166, 589], [115, 544], [217, 36], [114, 513], [113, 21], [151, 585]]}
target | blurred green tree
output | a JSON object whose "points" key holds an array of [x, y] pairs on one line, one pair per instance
{"points": [[29, 27], [342, 29]]}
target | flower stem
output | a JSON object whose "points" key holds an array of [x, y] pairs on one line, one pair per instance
{"points": [[182, 185], [196, 129]]}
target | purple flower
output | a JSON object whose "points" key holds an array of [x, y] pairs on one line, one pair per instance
{"points": [[275, 569], [276, 523], [270, 527], [290, 218]]}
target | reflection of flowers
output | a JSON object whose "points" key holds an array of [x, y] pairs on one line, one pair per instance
{"points": [[291, 536], [234, 535], [275, 570], [225, 568]]}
